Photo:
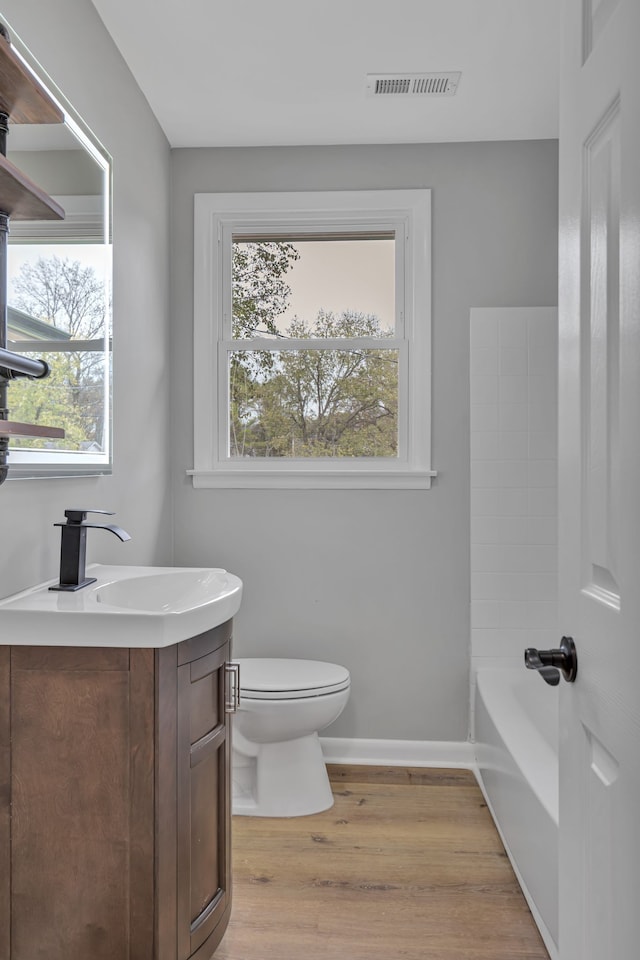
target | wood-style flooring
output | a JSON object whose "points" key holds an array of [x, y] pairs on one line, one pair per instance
{"points": [[407, 865]]}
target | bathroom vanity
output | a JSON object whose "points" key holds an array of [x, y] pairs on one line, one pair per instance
{"points": [[114, 779]]}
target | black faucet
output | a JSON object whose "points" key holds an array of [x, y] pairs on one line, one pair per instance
{"points": [[73, 549]]}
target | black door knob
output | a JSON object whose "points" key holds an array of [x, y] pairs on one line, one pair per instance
{"points": [[552, 663]]}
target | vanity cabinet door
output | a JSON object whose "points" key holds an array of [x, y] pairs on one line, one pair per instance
{"points": [[203, 804], [76, 803]]}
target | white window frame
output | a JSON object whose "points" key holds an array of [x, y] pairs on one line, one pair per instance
{"points": [[219, 217]]}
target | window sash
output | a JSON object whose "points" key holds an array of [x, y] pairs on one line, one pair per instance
{"points": [[228, 347], [337, 229]]}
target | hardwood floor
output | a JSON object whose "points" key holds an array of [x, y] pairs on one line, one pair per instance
{"points": [[407, 864]]}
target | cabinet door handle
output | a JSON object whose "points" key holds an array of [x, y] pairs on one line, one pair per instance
{"points": [[232, 699]]}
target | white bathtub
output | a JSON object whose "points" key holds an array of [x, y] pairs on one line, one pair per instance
{"points": [[516, 732]]}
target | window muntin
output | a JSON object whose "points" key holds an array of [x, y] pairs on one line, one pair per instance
{"points": [[224, 416]]}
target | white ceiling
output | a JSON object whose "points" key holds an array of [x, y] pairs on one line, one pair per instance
{"points": [[267, 72]]}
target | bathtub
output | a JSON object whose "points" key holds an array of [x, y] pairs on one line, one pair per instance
{"points": [[516, 733]]}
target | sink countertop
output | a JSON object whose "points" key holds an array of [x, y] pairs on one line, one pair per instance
{"points": [[175, 603]]}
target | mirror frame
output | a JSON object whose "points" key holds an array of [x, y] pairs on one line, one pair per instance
{"points": [[28, 463]]}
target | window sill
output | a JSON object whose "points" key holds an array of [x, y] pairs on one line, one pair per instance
{"points": [[313, 479]]}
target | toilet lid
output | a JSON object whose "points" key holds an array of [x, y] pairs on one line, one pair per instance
{"points": [[279, 679]]}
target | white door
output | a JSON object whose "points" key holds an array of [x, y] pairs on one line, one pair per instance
{"points": [[600, 479]]}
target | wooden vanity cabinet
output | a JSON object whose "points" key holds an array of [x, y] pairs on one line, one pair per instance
{"points": [[115, 801]]}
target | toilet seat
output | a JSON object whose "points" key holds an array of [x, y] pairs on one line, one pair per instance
{"points": [[281, 679]]}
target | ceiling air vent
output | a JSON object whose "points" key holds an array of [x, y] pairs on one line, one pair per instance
{"points": [[412, 84]]}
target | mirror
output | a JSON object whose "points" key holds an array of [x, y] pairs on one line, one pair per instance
{"points": [[59, 295]]}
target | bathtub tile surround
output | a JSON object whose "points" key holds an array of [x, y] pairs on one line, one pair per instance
{"points": [[513, 393], [513, 367]]}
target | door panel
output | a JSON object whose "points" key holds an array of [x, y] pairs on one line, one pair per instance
{"points": [[599, 471], [205, 856], [601, 351], [5, 803]]}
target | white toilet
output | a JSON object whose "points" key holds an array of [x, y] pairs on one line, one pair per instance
{"points": [[277, 765]]}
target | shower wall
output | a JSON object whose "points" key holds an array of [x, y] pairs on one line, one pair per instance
{"points": [[513, 368]]}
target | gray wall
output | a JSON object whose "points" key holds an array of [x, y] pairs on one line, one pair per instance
{"points": [[376, 580], [69, 40], [59, 172]]}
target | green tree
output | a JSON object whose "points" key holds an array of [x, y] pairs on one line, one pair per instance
{"points": [[69, 296]]}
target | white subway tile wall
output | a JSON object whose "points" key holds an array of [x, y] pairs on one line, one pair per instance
{"points": [[514, 399]]}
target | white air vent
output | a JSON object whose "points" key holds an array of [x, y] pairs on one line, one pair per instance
{"points": [[412, 84]]}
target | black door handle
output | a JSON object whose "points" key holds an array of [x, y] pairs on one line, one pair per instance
{"points": [[551, 663]]}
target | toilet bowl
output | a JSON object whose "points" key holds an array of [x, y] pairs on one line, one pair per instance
{"points": [[277, 765]]}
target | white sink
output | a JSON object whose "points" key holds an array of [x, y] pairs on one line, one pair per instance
{"points": [[125, 607]]}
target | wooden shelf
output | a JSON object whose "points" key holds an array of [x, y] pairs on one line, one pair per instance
{"points": [[21, 95], [11, 428], [22, 199]]}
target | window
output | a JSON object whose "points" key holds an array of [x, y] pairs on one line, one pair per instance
{"points": [[312, 339]]}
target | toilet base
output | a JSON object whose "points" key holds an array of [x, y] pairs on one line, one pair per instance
{"points": [[285, 779]]}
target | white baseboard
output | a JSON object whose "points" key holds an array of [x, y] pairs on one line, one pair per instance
{"points": [[399, 753]]}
